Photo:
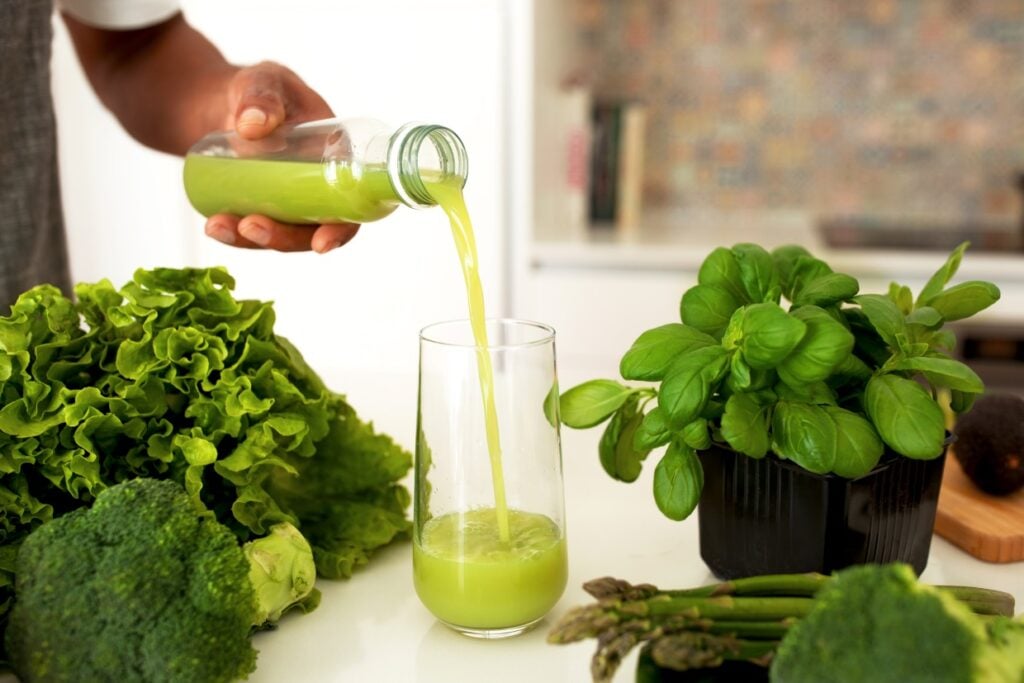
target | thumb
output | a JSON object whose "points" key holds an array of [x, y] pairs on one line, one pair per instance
{"points": [[260, 107]]}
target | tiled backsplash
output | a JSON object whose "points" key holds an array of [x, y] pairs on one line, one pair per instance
{"points": [[890, 108]]}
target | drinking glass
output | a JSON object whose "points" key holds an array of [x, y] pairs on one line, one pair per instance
{"points": [[486, 569]]}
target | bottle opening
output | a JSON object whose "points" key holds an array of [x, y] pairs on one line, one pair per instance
{"points": [[420, 154]]}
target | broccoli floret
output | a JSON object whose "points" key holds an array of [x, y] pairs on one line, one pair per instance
{"points": [[145, 587], [282, 571], [877, 623], [1006, 661]]}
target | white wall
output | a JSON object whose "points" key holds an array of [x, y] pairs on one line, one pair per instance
{"points": [[361, 307]]}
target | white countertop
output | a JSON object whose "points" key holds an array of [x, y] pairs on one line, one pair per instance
{"points": [[373, 628], [677, 241]]}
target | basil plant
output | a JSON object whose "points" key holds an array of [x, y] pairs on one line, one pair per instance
{"points": [[828, 381]]}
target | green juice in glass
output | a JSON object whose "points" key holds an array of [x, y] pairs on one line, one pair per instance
{"points": [[470, 578], [300, 192]]}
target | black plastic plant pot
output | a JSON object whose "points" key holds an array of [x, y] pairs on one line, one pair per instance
{"points": [[769, 516]]}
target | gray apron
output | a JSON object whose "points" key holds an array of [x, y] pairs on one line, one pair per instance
{"points": [[32, 244]]}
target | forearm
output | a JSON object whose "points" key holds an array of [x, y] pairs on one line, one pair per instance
{"points": [[166, 84]]}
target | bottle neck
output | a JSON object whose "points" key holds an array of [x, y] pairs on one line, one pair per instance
{"points": [[422, 154]]}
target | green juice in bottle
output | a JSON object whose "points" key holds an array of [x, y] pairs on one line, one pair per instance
{"points": [[288, 191], [331, 171]]}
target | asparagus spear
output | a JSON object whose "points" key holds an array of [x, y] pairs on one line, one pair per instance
{"points": [[740, 620]]}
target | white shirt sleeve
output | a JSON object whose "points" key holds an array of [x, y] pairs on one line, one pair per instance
{"points": [[120, 14]]}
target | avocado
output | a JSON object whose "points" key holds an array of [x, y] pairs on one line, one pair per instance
{"points": [[990, 443]]}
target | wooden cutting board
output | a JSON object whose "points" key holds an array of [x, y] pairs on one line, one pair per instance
{"points": [[989, 527]]}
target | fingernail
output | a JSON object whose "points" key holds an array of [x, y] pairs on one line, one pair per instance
{"points": [[252, 116], [255, 232], [330, 246], [221, 233]]}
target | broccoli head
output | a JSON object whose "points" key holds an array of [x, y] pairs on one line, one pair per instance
{"points": [[145, 587], [877, 623]]}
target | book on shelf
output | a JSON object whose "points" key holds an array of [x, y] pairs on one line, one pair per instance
{"points": [[617, 164], [576, 105], [631, 167]]}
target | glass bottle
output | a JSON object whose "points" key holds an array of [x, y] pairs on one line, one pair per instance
{"points": [[327, 171]]}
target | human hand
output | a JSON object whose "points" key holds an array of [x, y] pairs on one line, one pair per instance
{"points": [[259, 99]]}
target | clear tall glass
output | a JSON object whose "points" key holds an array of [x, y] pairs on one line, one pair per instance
{"points": [[483, 569]]}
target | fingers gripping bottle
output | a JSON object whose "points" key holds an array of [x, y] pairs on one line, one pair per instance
{"points": [[328, 171]]}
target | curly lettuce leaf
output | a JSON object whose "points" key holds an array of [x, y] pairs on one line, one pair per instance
{"points": [[172, 377]]}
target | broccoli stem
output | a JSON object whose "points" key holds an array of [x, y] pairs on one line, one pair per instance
{"points": [[743, 619]]}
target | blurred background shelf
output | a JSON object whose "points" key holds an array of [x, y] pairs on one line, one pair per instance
{"points": [[836, 138]]}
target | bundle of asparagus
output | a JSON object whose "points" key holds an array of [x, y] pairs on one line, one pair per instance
{"points": [[738, 620]]}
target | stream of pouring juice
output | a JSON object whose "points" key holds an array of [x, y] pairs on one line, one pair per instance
{"points": [[448, 196]]}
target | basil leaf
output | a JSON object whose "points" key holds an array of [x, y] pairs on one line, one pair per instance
{"points": [[689, 383], [943, 372], [653, 352], [757, 273], [769, 335], [926, 316], [910, 348], [653, 431], [734, 330], [619, 457], [591, 403], [884, 315], [785, 258], [713, 410], [678, 482], [721, 270], [852, 370], [961, 401], [827, 290], [739, 373], [708, 309], [902, 297], [943, 275], [806, 270], [858, 447], [745, 425], [805, 434], [550, 406], [943, 339], [818, 393], [906, 417], [695, 435], [965, 299], [868, 345], [825, 345], [742, 378]]}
